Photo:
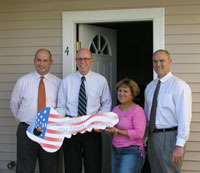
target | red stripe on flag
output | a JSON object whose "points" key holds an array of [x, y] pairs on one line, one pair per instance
{"points": [[51, 122], [90, 117], [53, 139], [97, 122], [54, 131], [55, 116], [49, 146]]}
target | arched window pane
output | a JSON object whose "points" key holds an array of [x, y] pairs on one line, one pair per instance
{"points": [[99, 45]]}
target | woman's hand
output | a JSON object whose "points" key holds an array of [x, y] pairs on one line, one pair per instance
{"points": [[111, 130]]}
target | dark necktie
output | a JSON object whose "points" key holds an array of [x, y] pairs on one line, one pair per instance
{"points": [[41, 95], [152, 122], [82, 101]]}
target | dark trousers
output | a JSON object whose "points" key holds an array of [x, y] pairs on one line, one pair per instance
{"points": [[83, 148], [28, 151]]}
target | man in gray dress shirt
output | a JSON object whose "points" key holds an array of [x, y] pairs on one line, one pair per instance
{"points": [[173, 116], [87, 146], [23, 104]]}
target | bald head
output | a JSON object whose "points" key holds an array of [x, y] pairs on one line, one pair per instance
{"points": [[84, 60], [43, 50], [163, 52], [84, 51]]}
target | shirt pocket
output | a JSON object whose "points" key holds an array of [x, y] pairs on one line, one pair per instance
{"points": [[166, 100], [94, 99]]}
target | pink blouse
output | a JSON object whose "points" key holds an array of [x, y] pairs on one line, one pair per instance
{"points": [[134, 120]]}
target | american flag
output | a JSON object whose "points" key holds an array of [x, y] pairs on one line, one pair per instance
{"points": [[54, 128], [51, 138]]}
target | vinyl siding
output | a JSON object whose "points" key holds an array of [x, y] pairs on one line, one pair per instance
{"points": [[182, 39], [27, 25]]}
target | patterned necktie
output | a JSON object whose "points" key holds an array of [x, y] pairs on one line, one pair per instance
{"points": [[82, 100], [41, 95], [152, 122]]}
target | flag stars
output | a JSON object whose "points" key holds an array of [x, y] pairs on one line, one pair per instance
{"points": [[40, 124]]}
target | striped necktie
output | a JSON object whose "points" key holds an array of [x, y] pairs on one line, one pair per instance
{"points": [[152, 122], [82, 101], [41, 95]]}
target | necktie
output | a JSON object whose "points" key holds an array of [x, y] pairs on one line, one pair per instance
{"points": [[41, 95], [82, 101], [152, 122]]}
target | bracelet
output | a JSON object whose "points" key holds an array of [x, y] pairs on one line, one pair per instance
{"points": [[116, 132]]}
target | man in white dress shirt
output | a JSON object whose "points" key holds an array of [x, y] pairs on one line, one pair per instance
{"points": [[23, 104], [173, 116], [87, 146]]}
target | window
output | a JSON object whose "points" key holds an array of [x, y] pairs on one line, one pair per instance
{"points": [[99, 45]]}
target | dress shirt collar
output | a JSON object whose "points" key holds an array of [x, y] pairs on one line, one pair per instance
{"points": [[87, 76], [166, 77], [46, 76]]}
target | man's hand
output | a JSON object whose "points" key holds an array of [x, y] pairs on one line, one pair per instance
{"points": [[177, 154]]}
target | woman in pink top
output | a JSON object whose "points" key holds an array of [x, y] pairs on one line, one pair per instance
{"points": [[128, 152]]}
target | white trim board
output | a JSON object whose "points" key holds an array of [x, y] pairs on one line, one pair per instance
{"points": [[70, 19]]}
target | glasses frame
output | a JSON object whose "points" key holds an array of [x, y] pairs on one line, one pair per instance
{"points": [[83, 59]]}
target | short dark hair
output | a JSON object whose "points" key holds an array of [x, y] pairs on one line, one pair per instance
{"points": [[135, 90]]}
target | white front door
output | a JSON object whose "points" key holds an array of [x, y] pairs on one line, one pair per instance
{"points": [[102, 43]]}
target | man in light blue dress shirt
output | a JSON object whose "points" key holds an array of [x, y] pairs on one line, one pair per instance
{"points": [[85, 147]]}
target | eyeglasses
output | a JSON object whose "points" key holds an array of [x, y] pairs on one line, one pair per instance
{"points": [[83, 59]]}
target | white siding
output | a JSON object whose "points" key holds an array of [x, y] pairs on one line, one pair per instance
{"points": [[27, 25]]}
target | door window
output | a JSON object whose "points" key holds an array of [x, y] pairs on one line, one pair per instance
{"points": [[100, 45]]}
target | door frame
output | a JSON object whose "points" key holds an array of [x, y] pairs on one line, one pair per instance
{"points": [[71, 19]]}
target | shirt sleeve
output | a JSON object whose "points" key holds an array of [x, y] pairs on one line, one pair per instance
{"points": [[145, 103], [139, 124], [146, 113], [106, 100], [183, 101], [61, 104], [15, 99]]}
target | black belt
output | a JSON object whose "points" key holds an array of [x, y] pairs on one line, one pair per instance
{"points": [[25, 124], [165, 130]]}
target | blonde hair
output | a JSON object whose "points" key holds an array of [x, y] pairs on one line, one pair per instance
{"points": [[135, 90]]}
